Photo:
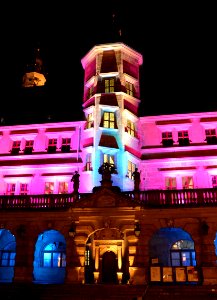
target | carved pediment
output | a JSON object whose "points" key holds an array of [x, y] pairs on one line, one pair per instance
{"points": [[105, 197], [108, 234]]}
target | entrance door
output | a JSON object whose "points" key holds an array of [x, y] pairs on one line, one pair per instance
{"points": [[109, 268]]}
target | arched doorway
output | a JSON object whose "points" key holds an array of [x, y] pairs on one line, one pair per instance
{"points": [[109, 267]]}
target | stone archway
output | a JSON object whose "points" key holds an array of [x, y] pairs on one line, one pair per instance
{"points": [[107, 249]]}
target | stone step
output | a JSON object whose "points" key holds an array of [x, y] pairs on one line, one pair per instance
{"points": [[97, 292]]}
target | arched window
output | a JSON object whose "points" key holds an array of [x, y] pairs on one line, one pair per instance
{"points": [[182, 253], [54, 255]]}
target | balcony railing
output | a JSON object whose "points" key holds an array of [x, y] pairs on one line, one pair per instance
{"points": [[148, 199]]}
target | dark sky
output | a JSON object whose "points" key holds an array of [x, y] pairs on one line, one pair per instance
{"points": [[177, 41]]}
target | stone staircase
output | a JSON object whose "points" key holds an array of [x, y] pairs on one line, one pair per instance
{"points": [[98, 292]]}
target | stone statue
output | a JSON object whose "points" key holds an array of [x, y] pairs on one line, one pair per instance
{"points": [[106, 170], [76, 181], [136, 177]]}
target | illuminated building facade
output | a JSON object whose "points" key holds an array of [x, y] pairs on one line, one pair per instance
{"points": [[110, 231]]}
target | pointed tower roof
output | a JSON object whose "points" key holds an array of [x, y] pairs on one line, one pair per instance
{"points": [[34, 73]]}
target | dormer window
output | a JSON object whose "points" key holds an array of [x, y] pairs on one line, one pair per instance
{"points": [[167, 139], [28, 147], [211, 136], [52, 145], [183, 138], [66, 145], [15, 147]]}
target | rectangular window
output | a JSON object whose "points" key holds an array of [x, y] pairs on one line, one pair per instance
{"points": [[175, 259], [24, 188], [89, 121], [66, 145], [211, 136], [109, 85], [54, 260], [87, 258], [167, 139], [88, 166], [28, 147], [63, 187], [214, 181], [130, 169], [49, 187], [109, 120], [15, 147], [131, 128], [11, 188], [7, 258], [183, 138], [187, 182], [52, 146], [129, 88], [170, 183]]}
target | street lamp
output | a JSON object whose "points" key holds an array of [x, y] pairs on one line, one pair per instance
{"points": [[137, 229]]}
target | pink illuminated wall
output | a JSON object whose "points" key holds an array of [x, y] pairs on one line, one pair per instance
{"points": [[190, 161]]}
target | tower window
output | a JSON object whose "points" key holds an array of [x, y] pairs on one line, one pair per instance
{"points": [[90, 92], [89, 121], [108, 158], [131, 128], [109, 120], [109, 85], [129, 88]]}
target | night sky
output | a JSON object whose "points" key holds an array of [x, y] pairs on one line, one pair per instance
{"points": [[177, 41]]}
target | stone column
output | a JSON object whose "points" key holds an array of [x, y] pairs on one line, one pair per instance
{"points": [[119, 258], [208, 255], [25, 246]]}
